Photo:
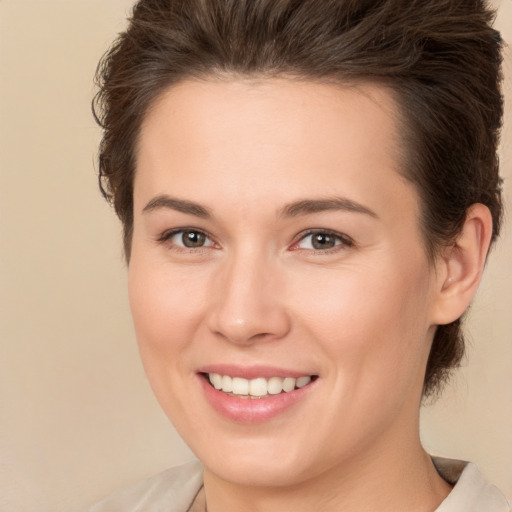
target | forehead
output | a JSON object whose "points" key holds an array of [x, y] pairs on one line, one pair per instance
{"points": [[271, 137], [307, 109]]}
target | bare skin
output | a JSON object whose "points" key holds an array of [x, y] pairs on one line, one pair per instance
{"points": [[274, 229]]}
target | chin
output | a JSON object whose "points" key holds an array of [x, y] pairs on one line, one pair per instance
{"points": [[274, 462], [255, 472]]}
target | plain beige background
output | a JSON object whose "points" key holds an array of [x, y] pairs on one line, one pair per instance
{"points": [[77, 418]]}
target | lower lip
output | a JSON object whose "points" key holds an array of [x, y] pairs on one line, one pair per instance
{"points": [[249, 410]]}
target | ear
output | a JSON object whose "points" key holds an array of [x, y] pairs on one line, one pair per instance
{"points": [[459, 269]]}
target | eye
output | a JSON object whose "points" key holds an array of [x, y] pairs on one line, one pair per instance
{"points": [[187, 238], [322, 240]]}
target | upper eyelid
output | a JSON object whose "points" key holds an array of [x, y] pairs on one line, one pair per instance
{"points": [[165, 239], [169, 233], [345, 239], [314, 231], [345, 242]]}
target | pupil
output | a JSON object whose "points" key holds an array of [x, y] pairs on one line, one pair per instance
{"points": [[193, 239], [323, 241]]}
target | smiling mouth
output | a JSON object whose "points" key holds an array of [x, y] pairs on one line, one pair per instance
{"points": [[257, 388]]}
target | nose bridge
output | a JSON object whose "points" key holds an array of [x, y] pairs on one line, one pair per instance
{"points": [[248, 299]]}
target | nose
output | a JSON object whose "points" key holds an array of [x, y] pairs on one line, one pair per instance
{"points": [[247, 305]]}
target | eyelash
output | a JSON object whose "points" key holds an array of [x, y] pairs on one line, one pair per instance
{"points": [[168, 235], [342, 241]]}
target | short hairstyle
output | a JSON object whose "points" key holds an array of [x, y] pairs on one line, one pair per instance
{"points": [[440, 58]]}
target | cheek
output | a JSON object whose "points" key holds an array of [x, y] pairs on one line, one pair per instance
{"points": [[371, 327], [166, 308], [372, 319]]}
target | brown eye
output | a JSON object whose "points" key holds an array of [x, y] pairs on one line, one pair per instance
{"points": [[323, 241], [193, 239], [188, 239]]}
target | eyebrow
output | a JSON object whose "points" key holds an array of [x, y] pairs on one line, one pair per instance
{"points": [[295, 209], [179, 205], [309, 206]]}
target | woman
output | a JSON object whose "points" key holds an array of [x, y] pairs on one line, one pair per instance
{"points": [[309, 191]]}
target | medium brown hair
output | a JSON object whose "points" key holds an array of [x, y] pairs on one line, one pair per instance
{"points": [[441, 58]]}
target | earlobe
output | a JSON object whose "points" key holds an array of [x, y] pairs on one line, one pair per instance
{"points": [[461, 266]]}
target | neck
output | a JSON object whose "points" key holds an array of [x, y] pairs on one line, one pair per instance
{"points": [[389, 476]]}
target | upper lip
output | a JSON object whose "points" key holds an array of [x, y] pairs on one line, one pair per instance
{"points": [[252, 372]]}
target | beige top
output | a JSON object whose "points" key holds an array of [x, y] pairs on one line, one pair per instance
{"points": [[180, 490]]}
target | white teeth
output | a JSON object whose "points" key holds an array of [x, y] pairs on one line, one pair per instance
{"points": [[275, 385], [227, 384], [257, 387], [216, 380], [303, 381], [289, 384], [240, 386]]}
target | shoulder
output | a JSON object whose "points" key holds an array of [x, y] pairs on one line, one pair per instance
{"points": [[471, 493], [172, 490]]}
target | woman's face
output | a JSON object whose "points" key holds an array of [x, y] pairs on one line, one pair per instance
{"points": [[276, 241]]}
